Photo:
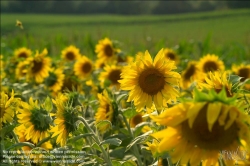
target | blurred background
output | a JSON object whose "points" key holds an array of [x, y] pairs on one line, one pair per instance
{"points": [[193, 28]]}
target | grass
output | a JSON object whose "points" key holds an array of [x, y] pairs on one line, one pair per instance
{"points": [[214, 32]]}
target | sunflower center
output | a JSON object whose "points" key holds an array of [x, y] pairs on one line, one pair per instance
{"points": [[136, 119], [200, 135], [22, 55], [108, 50], [38, 65], [114, 76], [210, 66], [189, 73], [70, 55], [171, 56], [40, 119], [2, 111], [86, 67], [151, 81], [244, 72]]}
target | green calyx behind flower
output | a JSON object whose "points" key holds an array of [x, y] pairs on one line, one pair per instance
{"points": [[70, 116], [41, 119]]}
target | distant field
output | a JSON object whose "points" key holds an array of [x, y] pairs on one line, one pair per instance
{"points": [[217, 30]]}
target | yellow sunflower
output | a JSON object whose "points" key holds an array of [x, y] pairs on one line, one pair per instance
{"points": [[70, 53], [66, 116], [7, 107], [39, 66], [111, 75], [217, 81], [210, 62], [21, 69], [198, 131], [170, 54], [150, 81], [22, 53], [99, 64], [105, 50], [55, 80], [242, 71], [190, 74], [83, 67], [105, 111], [36, 120]]}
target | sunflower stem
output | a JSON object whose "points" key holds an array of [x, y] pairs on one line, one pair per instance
{"points": [[135, 148], [96, 139]]}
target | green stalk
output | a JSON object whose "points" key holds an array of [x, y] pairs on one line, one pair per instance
{"points": [[96, 139]]}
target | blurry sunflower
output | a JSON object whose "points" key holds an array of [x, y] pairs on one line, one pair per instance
{"points": [[210, 62], [111, 75], [105, 50], [99, 64], [2, 65], [55, 80], [7, 107], [197, 131], [21, 69], [70, 83], [105, 111], [190, 74], [217, 81], [242, 71], [39, 66], [66, 116], [36, 120], [170, 54], [22, 52], [70, 53], [150, 81], [83, 67], [124, 59]]}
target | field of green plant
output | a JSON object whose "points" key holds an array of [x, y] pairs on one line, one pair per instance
{"points": [[125, 90]]}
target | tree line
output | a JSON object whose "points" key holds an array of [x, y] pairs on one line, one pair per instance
{"points": [[130, 7]]}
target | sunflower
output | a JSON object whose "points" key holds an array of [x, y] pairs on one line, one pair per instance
{"points": [[242, 71], [36, 120], [39, 66], [70, 83], [83, 67], [191, 74], [217, 81], [105, 111], [111, 75], [22, 53], [170, 54], [199, 130], [105, 50], [55, 80], [210, 62], [99, 64], [66, 116], [70, 53], [150, 81], [21, 69], [7, 107]]}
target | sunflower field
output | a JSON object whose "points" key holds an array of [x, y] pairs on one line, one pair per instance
{"points": [[167, 106]]}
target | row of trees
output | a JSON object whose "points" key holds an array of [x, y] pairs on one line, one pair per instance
{"points": [[117, 7]]}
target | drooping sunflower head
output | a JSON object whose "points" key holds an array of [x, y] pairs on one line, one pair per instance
{"points": [[105, 49], [21, 69], [105, 111], [170, 54], [217, 81], [66, 116], [8, 105], [36, 120], [191, 74], [70, 53], [39, 66], [242, 71], [22, 52], [83, 67], [199, 130], [55, 80], [150, 81], [110, 76], [210, 62]]}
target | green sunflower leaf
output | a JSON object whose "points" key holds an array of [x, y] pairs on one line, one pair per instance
{"points": [[112, 141], [129, 163], [103, 123], [129, 112], [120, 97], [116, 163], [48, 104]]}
